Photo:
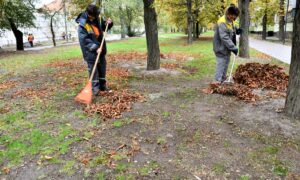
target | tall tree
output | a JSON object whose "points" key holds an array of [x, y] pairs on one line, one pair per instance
{"points": [[16, 14], [281, 20], [50, 13], [189, 21], [263, 11], [292, 105], [244, 24], [150, 20], [122, 21]]}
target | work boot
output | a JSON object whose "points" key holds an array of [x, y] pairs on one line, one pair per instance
{"points": [[104, 88]]}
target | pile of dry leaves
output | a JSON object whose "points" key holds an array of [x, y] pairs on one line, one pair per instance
{"points": [[242, 92], [117, 102], [252, 76], [255, 75]]}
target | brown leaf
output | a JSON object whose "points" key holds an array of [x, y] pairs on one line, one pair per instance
{"points": [[207, 91], [6, 170]]}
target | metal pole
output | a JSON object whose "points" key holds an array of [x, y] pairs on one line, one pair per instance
{"points": [[66, 25], [286, 18]]}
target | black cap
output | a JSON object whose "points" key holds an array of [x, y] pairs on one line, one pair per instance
{"points": [[93, 10]]}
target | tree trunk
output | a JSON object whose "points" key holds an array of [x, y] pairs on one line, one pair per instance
{"points": [[244, 24], [201, 30], [18, 35], [281, 21], [189, 21], [122, 21], [52, 30], [150, 20], [264, 32], [292, 105], [129, 31], [197, 29], [194, 30]]}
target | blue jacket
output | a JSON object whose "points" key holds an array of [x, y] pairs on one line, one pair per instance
{"points": [[89, 43]]}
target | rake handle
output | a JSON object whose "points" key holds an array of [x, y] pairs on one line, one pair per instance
{"points": [[234, 59], [98, 56]]}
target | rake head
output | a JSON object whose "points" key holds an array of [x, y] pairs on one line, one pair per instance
{"points": [[86, 95]]}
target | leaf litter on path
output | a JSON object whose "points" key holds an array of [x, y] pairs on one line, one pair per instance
{"points": [[253, 76]]}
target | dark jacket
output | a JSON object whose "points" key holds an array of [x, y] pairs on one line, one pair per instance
{"points": [[89, 43]]}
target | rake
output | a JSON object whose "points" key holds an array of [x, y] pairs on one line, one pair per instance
{"points": [[229, 80], [86, 95]]}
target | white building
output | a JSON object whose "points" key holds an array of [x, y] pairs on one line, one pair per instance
{"points": [[42, 31], [289, 26]]}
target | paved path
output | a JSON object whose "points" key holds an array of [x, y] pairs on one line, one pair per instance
{"points": [[278, 51], [110, 37]]}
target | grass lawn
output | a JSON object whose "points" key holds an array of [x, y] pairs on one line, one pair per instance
{"points": [[46, 128]]}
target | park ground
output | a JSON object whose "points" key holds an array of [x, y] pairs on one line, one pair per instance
{"points": [[172, 131]]}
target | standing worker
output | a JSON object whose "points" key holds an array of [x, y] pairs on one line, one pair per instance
{"points": [[224, 42], [30, 39], [90, 33]]}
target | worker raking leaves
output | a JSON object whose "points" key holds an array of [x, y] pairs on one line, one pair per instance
{"points": [[225, 42], [91, 32]]}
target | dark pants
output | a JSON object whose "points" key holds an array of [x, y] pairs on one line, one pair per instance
{"points": [[99, 81], [31, 43]]}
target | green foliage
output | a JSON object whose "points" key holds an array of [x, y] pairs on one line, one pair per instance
{"points": [[130, 11], [78, 6], [259, 8], [18, 11], [204, 11]]}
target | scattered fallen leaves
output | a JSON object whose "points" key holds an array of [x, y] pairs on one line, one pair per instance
{"points": [[118, 73], [263, 56], [5, 109], [179, 56], [135, 145], [190, 69], [64, 69], [170, 65], [275, 94], [118, 102], [6, 170], [135, 56], [85, 158], [8, 85], [33, 93], [126, 56]]}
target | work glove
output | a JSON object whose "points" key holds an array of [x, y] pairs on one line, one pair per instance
{"points": [[234, 39], [108, 21], [239, 31], [235, 51]]}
